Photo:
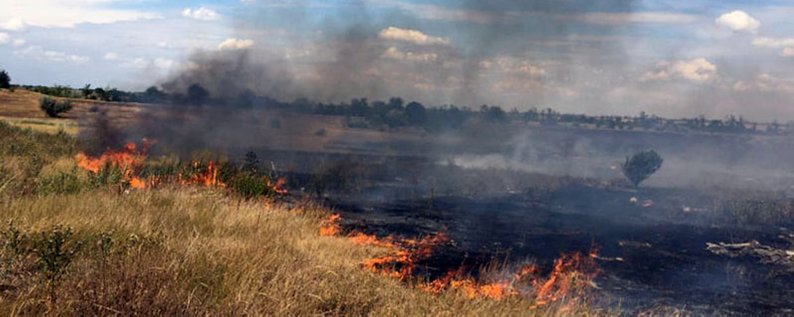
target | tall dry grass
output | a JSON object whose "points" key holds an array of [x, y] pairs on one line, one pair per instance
{"points": [[201, 252]]}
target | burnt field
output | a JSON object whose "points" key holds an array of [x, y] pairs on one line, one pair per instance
{"points": [[511, 194], [652, 252], [651, 241]]}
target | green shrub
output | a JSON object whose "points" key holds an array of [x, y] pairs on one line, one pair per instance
{"points": [[642, 165], [60, 183], [55, 252], [54, 108], [249, 185], [14, 240], [107, 175]]}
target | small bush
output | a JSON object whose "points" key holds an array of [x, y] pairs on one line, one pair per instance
{"points": [[640, 166], [55, 252], [60, 183], [54, 108], [108, 175], [249, 185]]}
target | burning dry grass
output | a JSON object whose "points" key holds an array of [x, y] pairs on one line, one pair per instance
{"points": [[198, 252], [190, 250], [565, 285]]}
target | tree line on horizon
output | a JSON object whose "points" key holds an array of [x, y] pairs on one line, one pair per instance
{"points": [[396, 112]]}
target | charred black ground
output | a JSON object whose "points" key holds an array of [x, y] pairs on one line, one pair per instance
{"points": [[651, 240]]}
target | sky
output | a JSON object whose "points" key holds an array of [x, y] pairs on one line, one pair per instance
{"points": [[674, 58]]}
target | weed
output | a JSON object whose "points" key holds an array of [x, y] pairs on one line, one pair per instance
{"points": [[55, 252]]}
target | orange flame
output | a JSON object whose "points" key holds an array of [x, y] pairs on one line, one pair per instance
{"points": [[570, 272], [129, 159], [331, 227], [278, 186], [137, 183], [202, 176], [400, 260], [401, 256], [568, 278]]}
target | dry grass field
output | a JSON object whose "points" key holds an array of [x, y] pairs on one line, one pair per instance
{"points": [[198, 252], [70, 248]]}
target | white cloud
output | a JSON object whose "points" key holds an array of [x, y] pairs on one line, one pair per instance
{"points": [[7, 39], [161, 64], [738, 21], [18, 15], [139, 63], [110, 56], [164, 63], [200, 13], [765, 83], [787, 44], [513, 66], [697, 70], [62, 57], [37, 52], [14, 24], [771, 42], [411, 36], [235, 44], [397, 54]]}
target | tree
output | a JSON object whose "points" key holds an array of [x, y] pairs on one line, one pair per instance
{"points": [[642, 165], [5, 79], [197, 95], [493, 113], [86, 91], [54, 108], [153, 94], [416, 113]]}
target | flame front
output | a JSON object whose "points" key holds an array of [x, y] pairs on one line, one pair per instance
{"points": [[331, 226], [401, 256], [568, 278], [206, 176], [400, 260], [128, 160]]}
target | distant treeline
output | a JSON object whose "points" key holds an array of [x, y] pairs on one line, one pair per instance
{"points": [[151, 95], [396, 113]]}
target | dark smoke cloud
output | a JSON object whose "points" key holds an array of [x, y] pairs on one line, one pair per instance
{"points": [[347, 58], [228, 74]]}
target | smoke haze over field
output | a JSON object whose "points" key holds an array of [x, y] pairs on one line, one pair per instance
{"points": [[606, 57]]}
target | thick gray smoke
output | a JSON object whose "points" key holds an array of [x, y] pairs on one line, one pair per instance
{"points": [[228, 74], [513, 53]]}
